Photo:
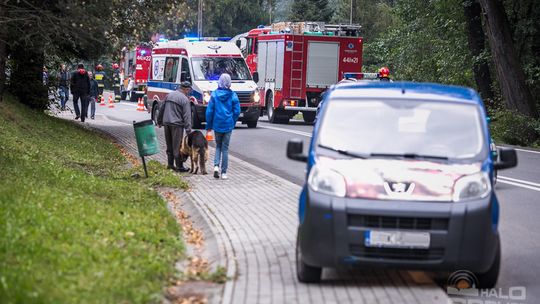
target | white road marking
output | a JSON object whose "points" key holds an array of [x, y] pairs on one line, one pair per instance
{"points": [[306, 134], [519, 181], [521, 150], [518, 185]]}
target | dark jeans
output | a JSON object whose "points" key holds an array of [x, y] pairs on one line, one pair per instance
{"points": [[173, 139], [84, 103]]}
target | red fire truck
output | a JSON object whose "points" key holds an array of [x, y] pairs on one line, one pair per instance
{"points": [[136, 63], [295, 67]]}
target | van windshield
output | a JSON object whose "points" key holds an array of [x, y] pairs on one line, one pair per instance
{"points": [[402, 127], [210, 68]]}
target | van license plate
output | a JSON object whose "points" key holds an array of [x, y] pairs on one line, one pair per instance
{"points": [[396, 239]]}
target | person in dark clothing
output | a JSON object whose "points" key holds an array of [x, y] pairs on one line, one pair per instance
{"points": [[80, 88], [63, 86], [175, 115], [94, 93]]}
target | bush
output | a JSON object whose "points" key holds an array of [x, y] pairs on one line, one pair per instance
{"points": [[515, 129]]}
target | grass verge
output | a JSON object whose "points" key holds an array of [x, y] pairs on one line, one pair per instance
{"points": [[75, 226]]}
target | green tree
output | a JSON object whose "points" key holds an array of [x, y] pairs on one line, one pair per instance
{"points": [[310, 10]]}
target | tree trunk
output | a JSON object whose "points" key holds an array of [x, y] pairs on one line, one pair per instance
{"points": [[476, 39], [27, 76], [3, 51], [514, 88]]}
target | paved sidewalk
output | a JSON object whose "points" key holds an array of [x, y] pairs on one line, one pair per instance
{"points": [[254, 218]]}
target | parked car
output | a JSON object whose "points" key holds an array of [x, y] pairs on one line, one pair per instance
{"points": [[400, 175]]}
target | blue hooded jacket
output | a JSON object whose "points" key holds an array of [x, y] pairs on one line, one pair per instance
{"points": [[222, 111]]}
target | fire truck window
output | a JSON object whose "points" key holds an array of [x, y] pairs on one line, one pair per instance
{"points": [[171, 69], [185, 74]]}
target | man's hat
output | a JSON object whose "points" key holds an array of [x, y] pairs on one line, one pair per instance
{"points": [[186, 84]]}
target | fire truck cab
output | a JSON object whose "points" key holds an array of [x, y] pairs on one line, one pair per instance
{"points": [[201, 61], [297, 62], [136, 63]]}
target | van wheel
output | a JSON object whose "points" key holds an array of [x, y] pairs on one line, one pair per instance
{"points": [[488, 279], [155, 112], [195, 121], [309, 117], [252, 124], [304, 272]]}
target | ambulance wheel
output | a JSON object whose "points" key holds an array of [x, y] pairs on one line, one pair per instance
{"points": [[155, 112], [489, 278], [309, 117], [252, 124], [195, 121], [304, 272]]}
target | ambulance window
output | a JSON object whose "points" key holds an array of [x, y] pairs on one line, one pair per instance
{"points": [[185, 74], [171, 69]]}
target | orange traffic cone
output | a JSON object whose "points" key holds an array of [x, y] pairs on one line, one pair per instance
{"points": [[140, 105], [111, 103], [102, 102], [209, 135]]}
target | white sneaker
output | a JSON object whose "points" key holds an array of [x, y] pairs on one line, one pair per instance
{"points": [[224, 176], [216, 172]]}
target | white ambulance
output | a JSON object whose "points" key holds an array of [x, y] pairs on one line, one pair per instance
{"points": [[201, 61]]}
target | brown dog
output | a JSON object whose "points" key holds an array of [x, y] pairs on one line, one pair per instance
{"points": [[195, 146]]}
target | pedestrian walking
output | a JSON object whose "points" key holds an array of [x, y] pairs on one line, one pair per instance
{"points": [[221, 116], [63, 86], [94, 94], [80, 88], [175, 116]]}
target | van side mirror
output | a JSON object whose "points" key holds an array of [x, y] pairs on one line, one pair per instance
{"points": [[295, 148], [256, 77], [239, 43], [507, 159]]}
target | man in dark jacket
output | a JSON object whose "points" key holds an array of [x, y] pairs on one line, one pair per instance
{"points": [[63, 86], [94, 93], [80, 88], [175, 115]]}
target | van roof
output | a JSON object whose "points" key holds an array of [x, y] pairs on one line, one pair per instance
{"points": [[406, 90], [197, 48]]}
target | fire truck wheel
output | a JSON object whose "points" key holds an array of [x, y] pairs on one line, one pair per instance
{"points": [[272, 117], [195, 121], [309, 117]]}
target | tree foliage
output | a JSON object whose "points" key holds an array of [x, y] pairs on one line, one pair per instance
{"points": [[310, 10]]}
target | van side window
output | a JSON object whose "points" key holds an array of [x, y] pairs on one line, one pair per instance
{"points": [[185, 74], [171, 69]]}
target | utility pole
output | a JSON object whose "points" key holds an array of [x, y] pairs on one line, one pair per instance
{"points": [[353, 11], [199, 19]]}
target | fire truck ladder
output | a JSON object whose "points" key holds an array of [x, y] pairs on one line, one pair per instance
{"points": [[297, 55]]}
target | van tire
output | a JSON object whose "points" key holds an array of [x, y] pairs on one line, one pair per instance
{"points": [[155, 112], [252, 124], [489, 278], [304, 272], [195, 121]]}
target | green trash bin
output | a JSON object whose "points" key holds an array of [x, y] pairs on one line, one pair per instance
{"points": [[147, 141]]}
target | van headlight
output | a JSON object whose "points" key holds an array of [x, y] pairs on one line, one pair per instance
{"points": [[327, 181], [206, 96], [471, 187], [256, 97]]}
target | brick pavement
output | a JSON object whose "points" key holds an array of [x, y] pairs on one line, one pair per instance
{"points": [[253, 216]]}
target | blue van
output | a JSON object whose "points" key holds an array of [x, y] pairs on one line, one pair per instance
{"points": [[400, 175]]}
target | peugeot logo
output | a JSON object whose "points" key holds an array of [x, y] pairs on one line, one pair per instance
{"points": [[398, 188]]}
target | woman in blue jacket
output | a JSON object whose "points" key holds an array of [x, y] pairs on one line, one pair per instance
{"points": [[221, 115]]}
